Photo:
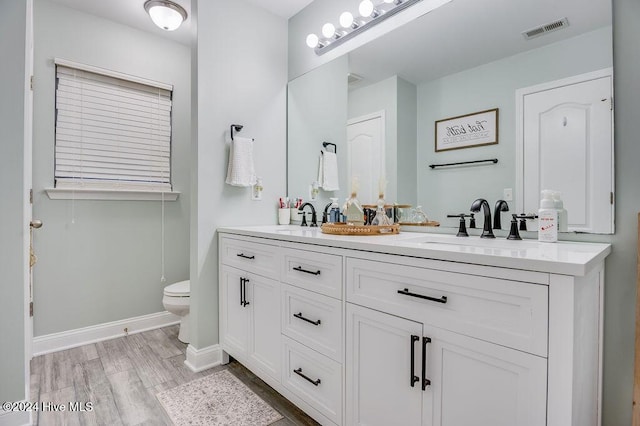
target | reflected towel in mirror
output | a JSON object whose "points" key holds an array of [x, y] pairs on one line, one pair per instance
{"points": [[241, 171], [328, 171]]}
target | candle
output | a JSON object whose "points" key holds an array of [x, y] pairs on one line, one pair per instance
{"points": [[382, 186]]}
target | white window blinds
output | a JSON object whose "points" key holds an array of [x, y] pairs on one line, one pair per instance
{"points": [[111, 133]]}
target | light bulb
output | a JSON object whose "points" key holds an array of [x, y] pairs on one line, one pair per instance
{"points": [[365, 8], [312, 40], [346, 20], [328, 30], [389, 1]]}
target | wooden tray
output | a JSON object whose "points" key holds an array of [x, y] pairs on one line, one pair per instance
{"points": [[428, 223], [341, 228]]}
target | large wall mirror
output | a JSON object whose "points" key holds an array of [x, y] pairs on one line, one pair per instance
{"points": [[379, 105]]}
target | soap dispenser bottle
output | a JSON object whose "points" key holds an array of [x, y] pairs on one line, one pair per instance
{"points": [[334, 211], [547, 219], [563, 219]]}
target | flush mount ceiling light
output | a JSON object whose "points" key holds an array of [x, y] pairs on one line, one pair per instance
{"points": [[165, 14], [371, 14]]}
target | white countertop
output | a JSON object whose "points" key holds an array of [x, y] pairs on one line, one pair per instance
{"points": [[567, 258]]}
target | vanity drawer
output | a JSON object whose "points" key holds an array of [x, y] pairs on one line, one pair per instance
{"points": [[314, 378], [313, 320], [510, 313], [259, 258], [319, 272]]}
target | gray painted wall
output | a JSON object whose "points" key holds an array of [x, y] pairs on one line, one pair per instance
{"points": [[407, 142], [100, 261], [317, 112], [242, 78], [620, 291], [13, 19], [493, 85]]}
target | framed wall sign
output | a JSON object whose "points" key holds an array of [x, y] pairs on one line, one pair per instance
{"points": [[465, 131]]}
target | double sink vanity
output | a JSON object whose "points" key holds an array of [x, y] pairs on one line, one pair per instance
{"points": [[416, 328]]}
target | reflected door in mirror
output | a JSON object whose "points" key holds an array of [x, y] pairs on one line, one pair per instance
{"points": [[567, 147], [365, 154]]}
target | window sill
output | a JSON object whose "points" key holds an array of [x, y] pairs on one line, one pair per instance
{"points": [[109, 195]]}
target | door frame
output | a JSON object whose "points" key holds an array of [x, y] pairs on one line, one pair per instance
{"points": [[550, 85], [383, 142]]}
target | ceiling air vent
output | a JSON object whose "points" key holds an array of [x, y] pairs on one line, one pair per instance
{"points": [[353, 78], [547, 28]]}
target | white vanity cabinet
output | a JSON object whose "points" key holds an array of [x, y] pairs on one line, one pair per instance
{"points": [[250, 310], [404, 372], [390, 331]]}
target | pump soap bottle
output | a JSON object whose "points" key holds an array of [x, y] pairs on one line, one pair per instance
{"points": [[563, 218], [547, 219]]}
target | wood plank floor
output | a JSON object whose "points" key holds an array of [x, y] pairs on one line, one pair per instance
{"points": [[122, 376]]}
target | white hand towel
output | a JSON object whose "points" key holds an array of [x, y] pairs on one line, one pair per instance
{"points": [[241, 171], [329, 171]]}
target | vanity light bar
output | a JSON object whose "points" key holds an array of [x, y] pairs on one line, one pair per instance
{"points": [[378, 14]]}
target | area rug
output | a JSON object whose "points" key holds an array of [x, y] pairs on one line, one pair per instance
{"points": [[216, 400]]}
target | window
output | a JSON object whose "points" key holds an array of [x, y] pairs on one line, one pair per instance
{"points": [[113, 131]]}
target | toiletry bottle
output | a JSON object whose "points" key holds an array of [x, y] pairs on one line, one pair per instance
{"points": [[547, 219], [563, 218], [334, 211]]}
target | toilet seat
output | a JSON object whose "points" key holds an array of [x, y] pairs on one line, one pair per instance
{"points": [[179, 289]]}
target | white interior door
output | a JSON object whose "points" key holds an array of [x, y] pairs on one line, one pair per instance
{"points": [[567, 146], [365, 154], [28, 178]]}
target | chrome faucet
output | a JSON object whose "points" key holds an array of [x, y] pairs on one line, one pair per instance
{"points": [[501, 206], [314, 219], [478, 204]]}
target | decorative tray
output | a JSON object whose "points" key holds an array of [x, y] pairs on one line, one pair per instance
{"points": [[341, 228], [428, 223]]}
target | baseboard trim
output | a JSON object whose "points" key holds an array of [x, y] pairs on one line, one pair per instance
{"points": [[13, 418], [82, 336], [202, 359]]}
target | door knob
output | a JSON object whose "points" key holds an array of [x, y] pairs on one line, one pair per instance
{"points": [[36, 224]]}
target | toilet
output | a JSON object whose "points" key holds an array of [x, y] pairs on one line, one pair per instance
{"points": [[176, 300]]}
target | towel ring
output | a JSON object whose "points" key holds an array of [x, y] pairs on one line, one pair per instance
{"points": [[335, 147], [236, 127]]}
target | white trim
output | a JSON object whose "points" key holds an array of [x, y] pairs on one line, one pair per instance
{"points": [[550, 85], [110, 73], [108, 194], [14, 418], [82, 336], [202, 359]]}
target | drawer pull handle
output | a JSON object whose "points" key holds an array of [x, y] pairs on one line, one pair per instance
{"points": [[298, 371], [425, 382], [299, 269], [414, 378], [406, 292], [244, 256], [299, 316]]}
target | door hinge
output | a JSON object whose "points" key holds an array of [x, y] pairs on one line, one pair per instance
{"points": [[31, 82], [611, 198], [30, 309], [31, 196]]}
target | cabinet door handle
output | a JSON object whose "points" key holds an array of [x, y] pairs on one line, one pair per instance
{"points": [[244, 285], [299, 269], [241, 291], [244, 256], [414, 378], [406, 292], [298, 371], [425, 382], [299, 316]]}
